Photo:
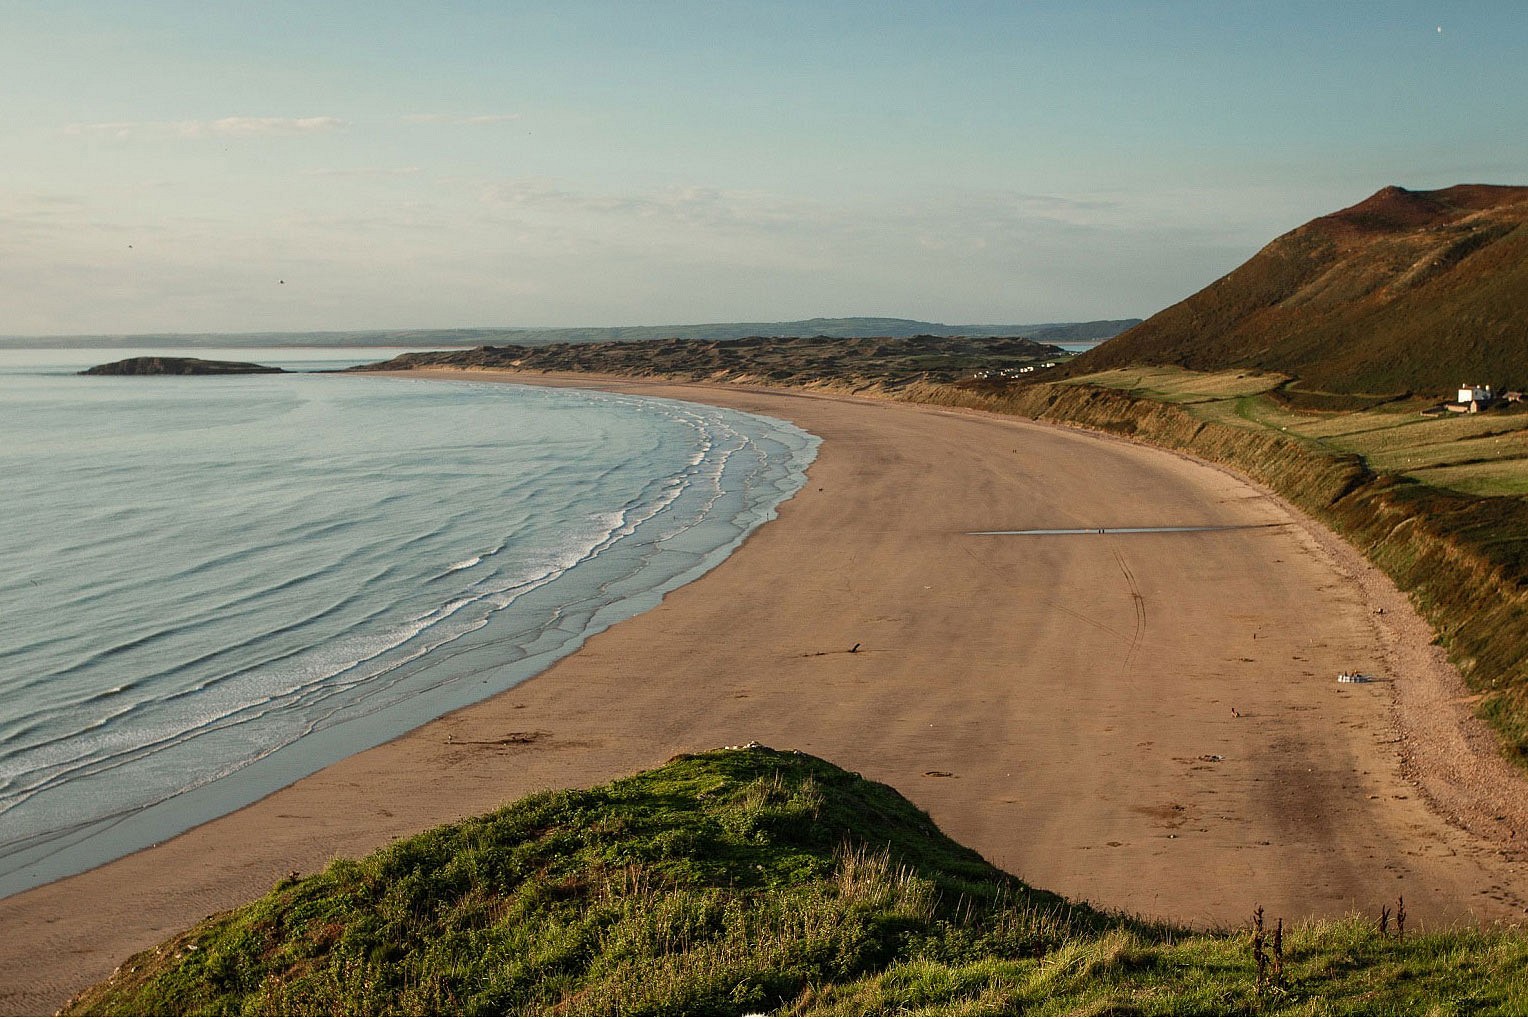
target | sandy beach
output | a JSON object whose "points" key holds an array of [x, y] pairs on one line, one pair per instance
{"points": [[1148, 721]]}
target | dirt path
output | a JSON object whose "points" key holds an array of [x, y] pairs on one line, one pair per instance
{"points": [[1062, 703]]}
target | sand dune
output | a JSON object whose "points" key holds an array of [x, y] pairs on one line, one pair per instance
{"points": [[1062, 703]]}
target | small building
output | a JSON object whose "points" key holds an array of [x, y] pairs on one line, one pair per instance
{"points": [[1472, 400]]}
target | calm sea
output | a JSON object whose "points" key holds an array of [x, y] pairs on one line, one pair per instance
{"points": [[212, 586]]}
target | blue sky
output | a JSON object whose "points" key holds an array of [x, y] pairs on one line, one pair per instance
{"points": [[166, 165]]}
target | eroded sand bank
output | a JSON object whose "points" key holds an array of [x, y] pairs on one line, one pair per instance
{"points": [[1062, 703]]}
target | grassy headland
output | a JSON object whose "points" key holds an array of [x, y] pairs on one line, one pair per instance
{"points": [[884, 361], [749, 880]]}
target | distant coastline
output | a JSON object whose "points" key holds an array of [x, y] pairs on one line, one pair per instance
{"points": [[839, 328]]}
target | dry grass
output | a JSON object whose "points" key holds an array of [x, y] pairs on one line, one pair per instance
{"points": [[1178, 385]]}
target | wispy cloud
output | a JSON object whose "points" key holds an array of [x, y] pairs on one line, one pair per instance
{"points": [[365, 171], [457, 118], [38, 204], [224, 127], [691, 205]]}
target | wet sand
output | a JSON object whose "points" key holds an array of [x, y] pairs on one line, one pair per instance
{"points": [[1062, 703]]}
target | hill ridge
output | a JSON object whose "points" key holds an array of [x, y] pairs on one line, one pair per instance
{"points": [[1405, 291]]}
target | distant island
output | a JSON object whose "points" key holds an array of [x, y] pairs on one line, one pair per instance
{"points": [[1051, 332], [180, 366]]}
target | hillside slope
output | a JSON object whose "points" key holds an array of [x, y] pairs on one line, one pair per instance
{"points": [[1407, 291], [721, 883]]}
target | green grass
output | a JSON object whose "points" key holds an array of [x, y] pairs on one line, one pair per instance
{"points": [[1476, 454], [753, 880], [1177, 385], [1501, 477]]}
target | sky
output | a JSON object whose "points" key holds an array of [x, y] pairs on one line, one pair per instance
{"points": [[238, 167]]}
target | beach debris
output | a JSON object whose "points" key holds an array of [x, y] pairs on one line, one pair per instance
{"points": [[1212, 758], [1354, 677], [856, 649], [940, 774], [1235, 713], [509, 739]]}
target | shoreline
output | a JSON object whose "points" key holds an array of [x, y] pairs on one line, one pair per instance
{"points": [[1062, 705], [433, 663]]}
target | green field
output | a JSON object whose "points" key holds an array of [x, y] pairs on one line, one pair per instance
{"points": [[1477, 454], [751, 880]]}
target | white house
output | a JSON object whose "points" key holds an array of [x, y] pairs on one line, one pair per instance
{"points": [[1474, 394]]}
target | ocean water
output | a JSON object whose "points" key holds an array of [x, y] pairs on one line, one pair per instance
{"points": [[210, 587]]}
